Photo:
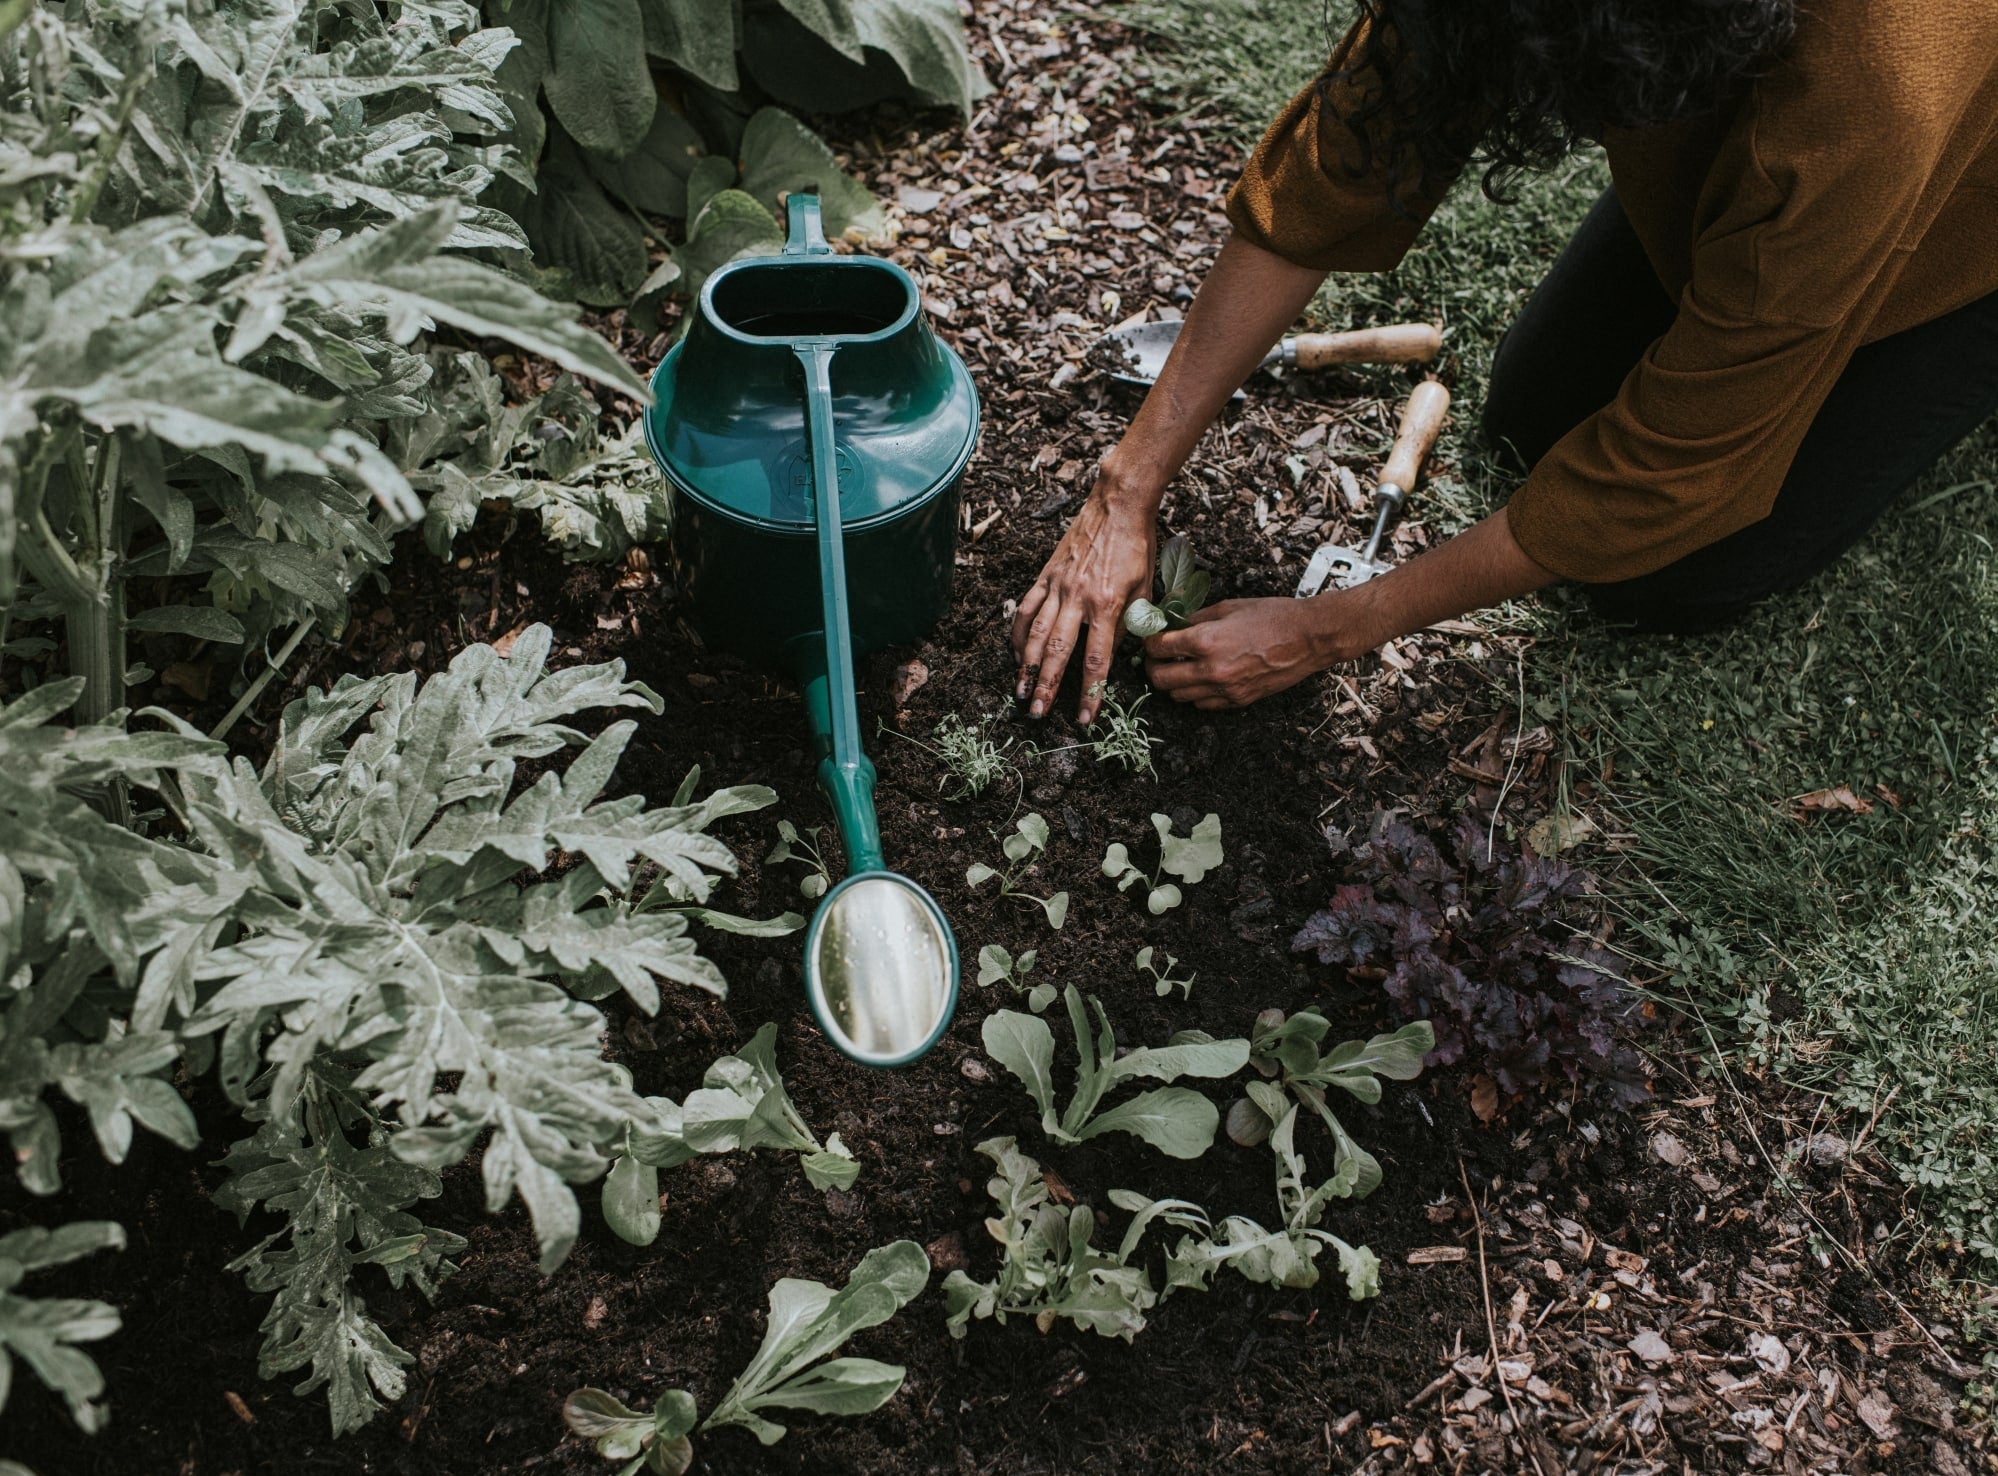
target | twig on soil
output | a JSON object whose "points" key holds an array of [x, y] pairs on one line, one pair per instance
{"points": [[221, 729], [1491, 1324]]}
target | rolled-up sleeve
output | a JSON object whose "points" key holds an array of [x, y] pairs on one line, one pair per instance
{"points": [[1827, 181], [1303, 195]]}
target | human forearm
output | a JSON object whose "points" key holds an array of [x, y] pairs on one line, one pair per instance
{"points": [[1247, 301], [1484, 565]]}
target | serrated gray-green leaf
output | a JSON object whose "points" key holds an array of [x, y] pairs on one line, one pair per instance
{"points": [[204, 622], [44, 1332]]}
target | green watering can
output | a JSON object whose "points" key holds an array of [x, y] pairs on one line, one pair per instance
{"points": [[814, 432]]}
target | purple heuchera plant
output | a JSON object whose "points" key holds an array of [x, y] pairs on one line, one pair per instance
{"points": [[1483, 944]]}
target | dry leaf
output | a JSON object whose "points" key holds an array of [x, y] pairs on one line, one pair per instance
{"points": [[1484, 1097], [1876, 1410], [1825, 800], [1669, 1149], [1653, 1349], [909, 677]]}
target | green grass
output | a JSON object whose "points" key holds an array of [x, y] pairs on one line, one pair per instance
{"points": [[1856, 955]]}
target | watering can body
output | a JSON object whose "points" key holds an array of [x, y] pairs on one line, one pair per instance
{"points": [[727, 427]]}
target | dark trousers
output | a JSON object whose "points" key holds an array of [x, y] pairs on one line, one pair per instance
{"points": [[1900, 404]]}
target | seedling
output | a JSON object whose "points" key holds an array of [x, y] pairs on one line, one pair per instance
{"points": [[996, 965], [1163, 982], [793, 847], [741, 1104], [1283, 1257], [1185, 592], [968, 753], [1189, 858], [1286, 1050], [1127, 738], [1028, 840], [1048, 1269], [807, 1321], [1177, 1121]]}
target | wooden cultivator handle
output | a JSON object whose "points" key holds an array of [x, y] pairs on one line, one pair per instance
{"points": [[1421, 419], [1402, 343]]}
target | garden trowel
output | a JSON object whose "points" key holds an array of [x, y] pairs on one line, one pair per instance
{"points": [[1136, 352], [1421, 419]]}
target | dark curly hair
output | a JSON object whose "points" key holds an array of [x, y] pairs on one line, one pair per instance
{"points": [[1521, 83]]}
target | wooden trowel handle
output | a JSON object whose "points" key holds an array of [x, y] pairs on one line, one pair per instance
{"points": [[1402, 343], [1421, 419]]}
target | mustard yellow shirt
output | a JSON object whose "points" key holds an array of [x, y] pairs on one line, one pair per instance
{"points": [[1851, 193]]}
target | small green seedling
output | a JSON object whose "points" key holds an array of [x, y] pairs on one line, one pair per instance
{"points": [[741, 1104], [807, 1321], [996, 965], [1048, 1269], [1163, 982], [1126, 738], [972, 761], [1185, 592], [1189, 858], [1177, 1121], [793, 847], [1285, 1257], [1285, 1049], [1028, 840]]}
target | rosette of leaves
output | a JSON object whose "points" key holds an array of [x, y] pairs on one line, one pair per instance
{"points": [[807, 1322], [222, 230], [1188, 857], [1048, 1269], [1184, 587], [1286, 1049], [1177, 1121], [1494, 949], [363, 943], [741, 1104], [646, 108]]}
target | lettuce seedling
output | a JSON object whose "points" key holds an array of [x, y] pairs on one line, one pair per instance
{"points": [[807, 1321], [793, 847], [996, 965], [741, 1104], [1285, 1048], [1163, 982], [1284, 1257], [1189, 858], [1177, 1121], [1028, 840], [1185, 592], [1048, 1269]]}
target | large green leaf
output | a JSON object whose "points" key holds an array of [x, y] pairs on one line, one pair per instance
{"points": [[598, 84], [1024, 1045], [576, 228], [1177, 1121], [907, 48], [731, 225], [692, 36], [653, 176], [780, 154]]}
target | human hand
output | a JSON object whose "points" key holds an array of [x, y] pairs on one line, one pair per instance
{"points": [[1103, 562], [1240, 651]]}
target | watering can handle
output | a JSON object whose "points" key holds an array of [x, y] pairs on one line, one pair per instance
{"points": [[808, 236], [846, 774]]}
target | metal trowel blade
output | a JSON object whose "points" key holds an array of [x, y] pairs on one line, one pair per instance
{"points": [[1136, 352], [1336, 564]]}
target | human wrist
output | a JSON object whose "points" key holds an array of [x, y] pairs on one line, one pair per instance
{"points": [[1346, 624], [1125, 487]]}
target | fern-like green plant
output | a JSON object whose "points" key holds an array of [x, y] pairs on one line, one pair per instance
{"points": [[366, 945], [222, 230]]}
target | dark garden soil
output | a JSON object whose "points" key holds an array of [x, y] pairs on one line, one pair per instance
{"points": [[1654, 1302]]}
